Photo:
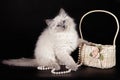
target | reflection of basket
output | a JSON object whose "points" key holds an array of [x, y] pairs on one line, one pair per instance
{"points": [[98, 55]]}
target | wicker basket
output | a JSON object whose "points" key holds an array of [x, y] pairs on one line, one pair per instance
{"points": [[98, 55]]}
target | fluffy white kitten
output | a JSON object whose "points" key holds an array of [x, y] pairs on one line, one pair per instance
{"points": [[54, 45], [57, 42]]}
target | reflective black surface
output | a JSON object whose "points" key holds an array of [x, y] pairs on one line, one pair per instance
{"points": [[27, 73]]}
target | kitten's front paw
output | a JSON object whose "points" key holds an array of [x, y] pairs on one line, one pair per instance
{"points": [[56, 66], [72, 67]]}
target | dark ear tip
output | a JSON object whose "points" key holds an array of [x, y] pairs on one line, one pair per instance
{"points": [[62, 10], [48, 21]]}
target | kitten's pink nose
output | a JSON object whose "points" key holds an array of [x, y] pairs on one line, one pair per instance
{"points": [[63, 26]]}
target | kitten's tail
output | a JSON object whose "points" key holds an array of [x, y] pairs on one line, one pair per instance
{"points": [[21, 62]]}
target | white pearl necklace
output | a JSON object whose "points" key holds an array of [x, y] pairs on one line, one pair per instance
{"points": [[43, 68], [60, 72], [53, 70]]}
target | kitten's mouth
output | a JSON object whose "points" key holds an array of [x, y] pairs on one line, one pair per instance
{"points": [[61, 28]]}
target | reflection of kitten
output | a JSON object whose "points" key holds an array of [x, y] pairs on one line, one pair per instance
{"points": [[54, 46]]}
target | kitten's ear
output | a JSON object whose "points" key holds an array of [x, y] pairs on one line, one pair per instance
{"points": [[62, 12], [48, 21]]}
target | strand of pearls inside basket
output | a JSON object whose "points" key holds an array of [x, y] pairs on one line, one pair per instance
{"points": [[80, 60]]}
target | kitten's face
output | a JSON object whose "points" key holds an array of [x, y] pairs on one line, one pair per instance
{"points": [[61, 22]]}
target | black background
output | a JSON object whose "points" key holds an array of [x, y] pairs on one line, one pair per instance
{"points": [[22, 21]]}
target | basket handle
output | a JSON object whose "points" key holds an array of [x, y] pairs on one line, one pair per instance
{"points": [[104, 12]]}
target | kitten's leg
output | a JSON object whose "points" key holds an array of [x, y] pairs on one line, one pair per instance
{"points": [[45, 56], [66, 59], [54, 64], [48, 62]]}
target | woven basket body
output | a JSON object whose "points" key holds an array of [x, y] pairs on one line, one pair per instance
{"points": [[98, 55]]}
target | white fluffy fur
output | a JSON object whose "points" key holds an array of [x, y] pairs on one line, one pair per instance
{"points": [[54, 45]]}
